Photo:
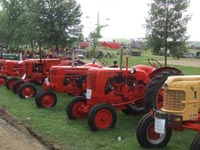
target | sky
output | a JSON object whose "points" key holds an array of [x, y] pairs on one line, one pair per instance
{"points": [[126, 18]]}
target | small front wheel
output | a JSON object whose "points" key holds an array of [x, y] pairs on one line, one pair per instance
{"points": [[3, 80], [17, 85], [101, 117], [46, 99], [146, 135], [11, 82], [27, 90], [74, 110]]}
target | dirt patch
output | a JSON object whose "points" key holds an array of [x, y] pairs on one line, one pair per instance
{"points": [[16, 135]]}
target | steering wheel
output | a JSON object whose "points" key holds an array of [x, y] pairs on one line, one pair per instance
{"points": [[154, 63]]}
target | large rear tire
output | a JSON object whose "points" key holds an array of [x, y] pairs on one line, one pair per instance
{"points": [[146, 135], [132, 109], [153, 97]]}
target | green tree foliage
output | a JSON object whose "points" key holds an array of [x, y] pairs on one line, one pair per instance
{"points": [[95, 36], [166, 26], [49, 22]]}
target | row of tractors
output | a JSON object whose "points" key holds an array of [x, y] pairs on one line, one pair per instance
{"points": [[171, 99]]}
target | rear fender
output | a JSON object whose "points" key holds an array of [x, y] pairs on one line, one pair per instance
{"points": [[157, 71]]}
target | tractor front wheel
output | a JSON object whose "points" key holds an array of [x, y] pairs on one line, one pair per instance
{"points": [[101, 117], [3, 80], [11, 82], [196, 143], [17, 85], [27, 90], [73, 109], [46, 99], [146, 135]]}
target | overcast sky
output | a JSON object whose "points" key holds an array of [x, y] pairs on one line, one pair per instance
{"points": [[127, 18]]}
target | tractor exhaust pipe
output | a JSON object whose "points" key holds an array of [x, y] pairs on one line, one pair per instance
{"points": [[121, 61]]}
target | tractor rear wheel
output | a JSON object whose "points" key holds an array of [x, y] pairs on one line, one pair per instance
{"points": [[10, 83], [73, 109], [27, 90], [3, 80], [146, 135], [17, 85], [153, 97], [101, 117], [46, 99], [134, 109], [196, 143]]}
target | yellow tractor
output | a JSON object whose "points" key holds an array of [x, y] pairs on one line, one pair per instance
{"points": [[180, 111]]}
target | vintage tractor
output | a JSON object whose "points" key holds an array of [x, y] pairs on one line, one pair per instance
{"points": [[36, 71], [3, 75], [8, 69], [111, 89], [180, 111], [69, 79]]}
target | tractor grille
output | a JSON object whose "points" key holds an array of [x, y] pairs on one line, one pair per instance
{"points": [[173, 100]]}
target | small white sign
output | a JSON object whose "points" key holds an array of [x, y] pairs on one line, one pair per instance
{"points": [[23, 77], [88, 93], [47, 81], [159, 125]]}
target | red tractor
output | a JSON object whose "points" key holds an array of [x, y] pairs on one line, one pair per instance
{"points": [[111, 89], [3, 72], [69, 79], [36, 70], [9, 68], [180, 110]]}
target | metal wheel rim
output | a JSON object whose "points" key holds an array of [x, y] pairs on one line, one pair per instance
{"points": [[47, 100], [28, 92], [152, 136], [103, 119]]}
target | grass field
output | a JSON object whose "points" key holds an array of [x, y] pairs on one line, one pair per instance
{"points": [[55, 127]]}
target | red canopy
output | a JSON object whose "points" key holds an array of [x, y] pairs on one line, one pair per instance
{"points": [[112, 45], [84, 44]]}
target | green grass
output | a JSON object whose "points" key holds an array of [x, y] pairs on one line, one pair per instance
{"points": [[54, 125]]}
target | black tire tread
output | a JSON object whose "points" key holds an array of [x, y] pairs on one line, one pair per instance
{"points": [[94, 110], [142, 137], [153, 87], [69, 107], [24, 86]]}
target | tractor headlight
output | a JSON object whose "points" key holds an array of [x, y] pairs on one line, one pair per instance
{"points": [[132, 70]]}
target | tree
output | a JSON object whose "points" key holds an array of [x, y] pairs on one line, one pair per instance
{"points": [[96, 35], [167, 25], [60, 21], [49, 22], [12, 10]]}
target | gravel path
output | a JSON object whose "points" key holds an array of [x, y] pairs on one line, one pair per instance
{"points": [[14, 139]]}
